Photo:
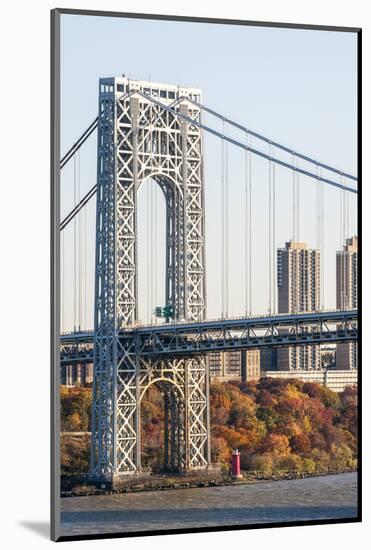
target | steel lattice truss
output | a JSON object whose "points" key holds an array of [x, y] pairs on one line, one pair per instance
{"points": [[194, 339], [248, 333], [138, 139]]}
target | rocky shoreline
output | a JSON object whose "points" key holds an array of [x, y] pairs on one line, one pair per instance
{"points": [[80, 486]]}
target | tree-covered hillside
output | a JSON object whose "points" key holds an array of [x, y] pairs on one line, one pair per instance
{"points": [[284, 425], [276, 424]]}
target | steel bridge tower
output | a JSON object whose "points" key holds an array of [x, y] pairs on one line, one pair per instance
{"points": [[139, 138]]}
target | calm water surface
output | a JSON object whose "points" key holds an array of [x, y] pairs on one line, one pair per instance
{"points": [[324, 497]]}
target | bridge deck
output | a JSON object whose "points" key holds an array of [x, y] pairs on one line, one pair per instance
{"points": [[194, 338]]}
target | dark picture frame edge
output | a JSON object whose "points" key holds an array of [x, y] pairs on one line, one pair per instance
{"points": [[359, 273], [193, 19], [55, 273], [55, 270]]}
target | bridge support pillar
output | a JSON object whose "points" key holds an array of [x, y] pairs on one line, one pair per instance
{"points": [[139, 138]]}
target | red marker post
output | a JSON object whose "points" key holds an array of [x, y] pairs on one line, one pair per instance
{"points": [[236, 470]]}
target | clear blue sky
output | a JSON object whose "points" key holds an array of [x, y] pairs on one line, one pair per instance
{"points": [[296, 86]]}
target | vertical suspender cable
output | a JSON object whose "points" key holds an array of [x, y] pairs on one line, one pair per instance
{"points": [[346, 259], [347, 215], [270, 228], [85, 270], [297, 204], [149, 228], [226, 233], [152, 254], [322, 241], [317, 216], [340, 218], [246, 243], [248, 225], [150, 257], [152, 250], [347, 235], [345, 305], [342, 243], [341, 221], [155, 266], [341, 246], [74, 245], [293, 200], [250, 230], [62, 296], [317, 209], [222, 223], [80, 239], [274, 234], [344, 235], [148, 253]]}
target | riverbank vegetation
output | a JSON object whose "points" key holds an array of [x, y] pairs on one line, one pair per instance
{"points": [[278, 425], [284, 425]]}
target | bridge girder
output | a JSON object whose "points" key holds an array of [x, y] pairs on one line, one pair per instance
{"points": [[186, 340]]}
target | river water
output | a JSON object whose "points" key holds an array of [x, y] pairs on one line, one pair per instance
{"points": [[326, 497]]}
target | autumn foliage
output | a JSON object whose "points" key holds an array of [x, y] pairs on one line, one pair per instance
{"points": [[276, 424], [284, 425], [75, 409]]}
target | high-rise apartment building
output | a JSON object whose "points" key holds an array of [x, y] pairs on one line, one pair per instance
{"points": [[250, 365], [235, 365], [268, 360], [225, 365], [298, 282], [347, 298], [77, 375]]}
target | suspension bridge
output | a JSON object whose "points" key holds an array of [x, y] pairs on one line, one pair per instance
{"points": [[155, 131]]}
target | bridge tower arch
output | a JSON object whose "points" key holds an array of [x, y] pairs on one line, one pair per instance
{"points": [[139, 138], [174, 420]]}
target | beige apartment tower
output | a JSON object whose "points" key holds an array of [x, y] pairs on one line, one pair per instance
{"points": [[224, 365], [298, 282], [347, 298], [229, 365]]}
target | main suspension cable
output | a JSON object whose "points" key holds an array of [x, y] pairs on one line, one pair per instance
{"points": [[269, 141], [76, 146], [242, 145], [184, 117], [76, 209]]}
